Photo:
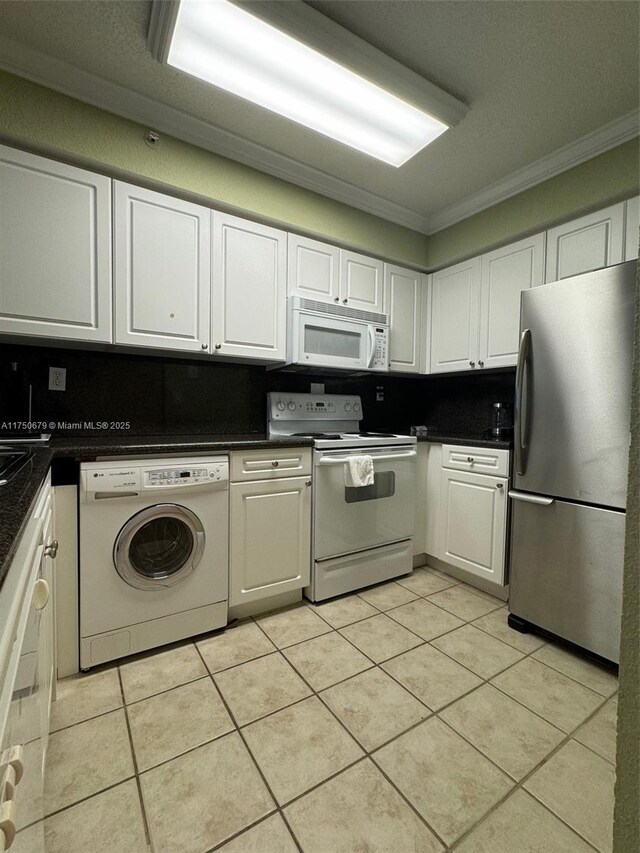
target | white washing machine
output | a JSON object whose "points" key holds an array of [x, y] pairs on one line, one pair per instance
{"points": [[154, 553]]}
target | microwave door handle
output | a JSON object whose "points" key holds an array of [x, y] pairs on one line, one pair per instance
{"points": [[372, 344]]}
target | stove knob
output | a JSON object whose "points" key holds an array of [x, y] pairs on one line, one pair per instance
{"points": [[291, 406], [347, 407], [356, 407], [280, 406]]}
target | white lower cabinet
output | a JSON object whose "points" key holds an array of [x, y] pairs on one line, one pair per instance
{"points": [[270, 525], [27, 664], [473, 523]]}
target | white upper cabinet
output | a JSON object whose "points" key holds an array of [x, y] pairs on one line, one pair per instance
{"points": [[248, 300], [505, 274], [403, 302], [55, 249], [313, 269], [324, 272], [361, 282], [455, 311], [162, 270], [632, 227], [585, 244]]}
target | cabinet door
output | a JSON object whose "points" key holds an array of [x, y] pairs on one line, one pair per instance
{"points": [[249, 289], [313, 269], [632, 227], [361, 281], [473, 523], [455, 306], [402, 302], [505, 274], [588, 243], [46, 633], [162, 272], [55, 249], [270, 538]]}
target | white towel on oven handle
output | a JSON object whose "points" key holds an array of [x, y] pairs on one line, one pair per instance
{"points": [[358, 472]]}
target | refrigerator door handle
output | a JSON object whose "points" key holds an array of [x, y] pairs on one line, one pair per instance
{"points": [[531, 499], [521, 410]]}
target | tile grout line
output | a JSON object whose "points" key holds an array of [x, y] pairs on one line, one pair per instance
{"points": [[366, 753], [136, 769], [277, 807]]}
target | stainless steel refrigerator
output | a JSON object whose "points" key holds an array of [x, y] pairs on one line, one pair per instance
{"points": [[572, 416]]}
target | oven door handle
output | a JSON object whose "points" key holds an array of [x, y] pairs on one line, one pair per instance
{"points": [[340, 460]]}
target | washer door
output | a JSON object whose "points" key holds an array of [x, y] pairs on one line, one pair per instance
{"points": [[159, 546]]}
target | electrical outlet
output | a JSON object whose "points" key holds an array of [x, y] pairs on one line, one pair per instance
{"points": [[57, 379], [379, 393]]}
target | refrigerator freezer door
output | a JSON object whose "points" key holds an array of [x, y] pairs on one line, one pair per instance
{"points": [[574, 387], [566, 571]]}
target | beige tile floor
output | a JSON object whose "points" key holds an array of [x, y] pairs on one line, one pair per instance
{"points": [[408, 718]]}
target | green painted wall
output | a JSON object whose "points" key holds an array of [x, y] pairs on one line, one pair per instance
{"points": [[45, 121], [627, 808], [610, 177]]}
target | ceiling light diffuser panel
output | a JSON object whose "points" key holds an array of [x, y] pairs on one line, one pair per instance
{"points": [[226, 45]]}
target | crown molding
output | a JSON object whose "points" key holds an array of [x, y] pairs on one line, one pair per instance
{"points": [[609, 136], [69, 80]]}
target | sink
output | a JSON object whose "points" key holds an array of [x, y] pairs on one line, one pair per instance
{"points": [[11, 461]]}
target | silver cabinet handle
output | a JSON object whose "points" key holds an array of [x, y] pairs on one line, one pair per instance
{"points": [[481, 363], [204, 346], [308, 483], [344, 301], [472, 364], [499, 485], [531, 499], [470, 459], [52, 549], [275, 463], [336, 299], [218, 346]]}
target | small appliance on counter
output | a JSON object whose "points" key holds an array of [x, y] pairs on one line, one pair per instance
{"points": [[361, 535], [501, 420]]}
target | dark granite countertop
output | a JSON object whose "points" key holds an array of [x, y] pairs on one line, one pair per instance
{"points": [[474, 439], [88, 449], [17, 497], [16, 501]]}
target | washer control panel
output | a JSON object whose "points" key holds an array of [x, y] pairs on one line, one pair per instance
{"points": [[186, 475]]}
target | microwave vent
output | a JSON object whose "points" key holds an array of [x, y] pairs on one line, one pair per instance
{"points": [[331, 309]]}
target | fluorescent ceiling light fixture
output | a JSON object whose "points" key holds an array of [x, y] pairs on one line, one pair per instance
{"points": [[225, 45]]}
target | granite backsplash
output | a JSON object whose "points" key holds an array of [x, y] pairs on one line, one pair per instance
{"points": [[159, 395]]}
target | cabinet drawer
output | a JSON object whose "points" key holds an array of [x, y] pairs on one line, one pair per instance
{"points": [[269, 464], [483, 460]]}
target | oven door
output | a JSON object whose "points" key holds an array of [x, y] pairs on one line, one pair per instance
{"points": [[355, 519], [332, 342]]}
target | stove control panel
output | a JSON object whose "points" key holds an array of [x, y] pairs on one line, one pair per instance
{"points": [[301, 407]]}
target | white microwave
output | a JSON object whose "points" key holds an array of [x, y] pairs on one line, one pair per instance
{"points": [[322, 334]]}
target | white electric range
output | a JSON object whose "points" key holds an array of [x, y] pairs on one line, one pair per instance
{"points": [[361, 536]]}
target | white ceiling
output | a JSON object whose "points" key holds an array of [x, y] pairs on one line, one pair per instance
{"points": [[537, 76]]}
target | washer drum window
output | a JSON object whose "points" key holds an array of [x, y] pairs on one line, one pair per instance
{"points": [[159, 547]]}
